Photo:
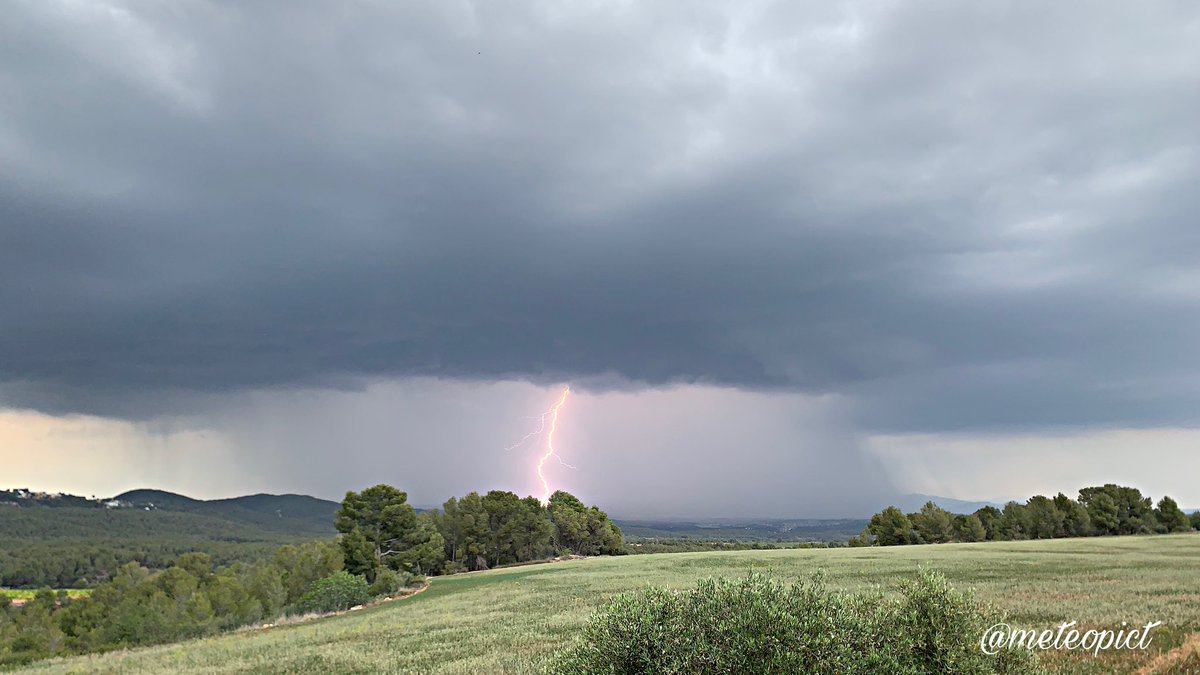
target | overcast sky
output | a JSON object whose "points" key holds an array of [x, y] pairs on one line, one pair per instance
{"points": [[793, 258]]}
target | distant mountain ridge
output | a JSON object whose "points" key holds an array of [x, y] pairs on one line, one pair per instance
{"points": [[911, 503], [290, 513], [289, 510], [316, 515]]}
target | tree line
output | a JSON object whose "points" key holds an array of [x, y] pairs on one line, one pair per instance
{"points": [[380, 530], [139, 606], [1103, 510], [383, 546]]}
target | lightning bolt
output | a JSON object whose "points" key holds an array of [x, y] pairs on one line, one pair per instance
{"points": [[550, 443], [536, 432], [549, 417]]}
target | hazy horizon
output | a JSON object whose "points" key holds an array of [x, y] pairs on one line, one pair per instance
{"points": [[907, 501]]}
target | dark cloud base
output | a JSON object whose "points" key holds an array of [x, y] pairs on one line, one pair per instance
{"points": [[958, 216]]}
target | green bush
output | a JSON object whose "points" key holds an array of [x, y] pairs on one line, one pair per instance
{"points": [[336, 592], [452, 567], [756, 625], [386, 582]]}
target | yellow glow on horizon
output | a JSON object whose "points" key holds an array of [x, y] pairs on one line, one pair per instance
{"points": [[91, 455]]}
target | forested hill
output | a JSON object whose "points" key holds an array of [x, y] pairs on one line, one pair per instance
{"points": [[288, 514], [64, 540]]}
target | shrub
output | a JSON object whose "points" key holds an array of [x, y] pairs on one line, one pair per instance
{"points": [[386, 582], [756, 625], [453, 567], [338, 591]]}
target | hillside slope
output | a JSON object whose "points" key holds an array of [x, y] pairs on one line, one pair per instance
{"points": [[514, 620], [278, 513]]}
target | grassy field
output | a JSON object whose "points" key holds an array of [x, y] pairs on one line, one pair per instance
{"points": [[20, 594], [512, 621]]}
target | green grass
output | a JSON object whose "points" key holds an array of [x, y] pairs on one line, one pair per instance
{"points": [[513, 620], [22, 594]]}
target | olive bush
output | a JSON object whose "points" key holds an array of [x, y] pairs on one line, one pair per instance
{"points": [[338, 591], [757, 625]]}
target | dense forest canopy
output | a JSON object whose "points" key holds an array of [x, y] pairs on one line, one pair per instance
{"points": [[73, 546]]}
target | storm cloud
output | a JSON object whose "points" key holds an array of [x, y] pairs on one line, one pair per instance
{"points": [[954, 215]]}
